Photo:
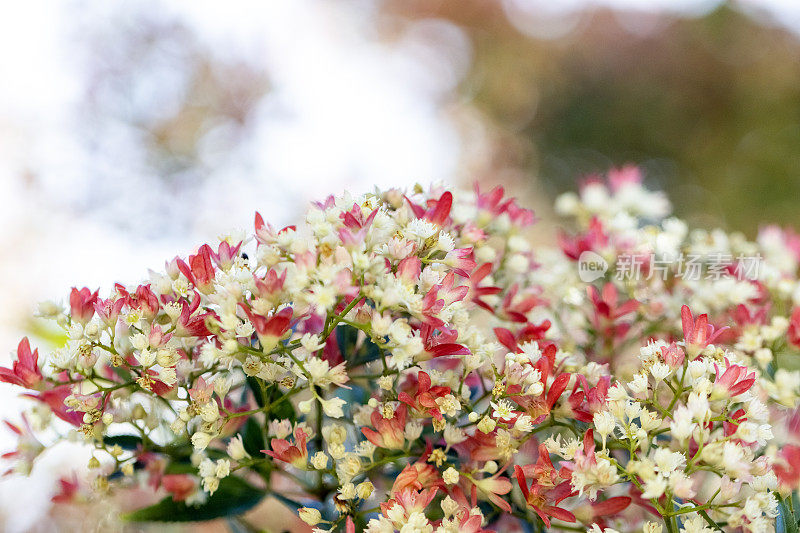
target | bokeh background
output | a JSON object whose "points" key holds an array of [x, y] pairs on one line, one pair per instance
{"points": [[133, 131]]}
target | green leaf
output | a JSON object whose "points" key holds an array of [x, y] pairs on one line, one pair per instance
{"points": [[126, 442], [233, 497], [356, 351], [255, 386], [253, 438], [789, 521]]}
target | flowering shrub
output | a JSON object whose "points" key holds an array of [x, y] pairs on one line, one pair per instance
{"points": [[409, 361]]}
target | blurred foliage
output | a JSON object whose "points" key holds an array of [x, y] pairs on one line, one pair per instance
{"points": [[710, 106]]}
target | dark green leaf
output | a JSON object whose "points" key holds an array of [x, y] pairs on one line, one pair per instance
{"points": [[253, 438], [355, 348], [255, 386], [233, 497], [126, 442]]}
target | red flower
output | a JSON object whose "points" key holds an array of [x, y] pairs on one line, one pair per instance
{"points": [[410, 500], [538, 407], [418, 475], [493, 487], [25, 370], [698, 333], [547, 489], [492, 202], [270, 330], [440, 344], [294, 454], [388, 433], [734, 381], [200, 269], [607, 305], [81, 303], [476, 292], [424, 399], [54, 398], [190, 324], [438, 210]]}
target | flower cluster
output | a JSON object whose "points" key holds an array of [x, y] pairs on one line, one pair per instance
{"points": [[409, 361]]}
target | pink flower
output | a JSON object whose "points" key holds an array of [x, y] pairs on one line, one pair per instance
{"points": [[424, 399], [493, 487], [388, 433], [294, 454], [410, 500], [673, 355], [734, 381], [698, 333], [270, 330], [190, 324], [81, 303], [200, 268], [418, 476], [547, 488], [25, 370]]}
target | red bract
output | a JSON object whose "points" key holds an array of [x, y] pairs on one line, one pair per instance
{"points": [[493, 203], [424, 399], [200, 268], [81, 303], [265, 234], [593, 239], [607, 307], [461, 261], [25, 370], [417, 476], [54, 398], [673, 355], [190, 324], [788, 468], [270, 330], [440, 344], [477, 292], [410, 500], [516, 309], [493, 488], [270, 285], [294, 454], [225, 254], [356, 226], [109, 310], [547, 489], [586, 402], [539, 407], [734, 380], [389, 432], [698, 333]]}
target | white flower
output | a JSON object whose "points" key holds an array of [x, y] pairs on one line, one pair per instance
{"points": [[333, 407], [236, 449], [310, 516], [200, 440], [450, 476]]}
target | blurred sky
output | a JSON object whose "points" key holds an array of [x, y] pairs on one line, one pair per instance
{"points": [[101, 178]]}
